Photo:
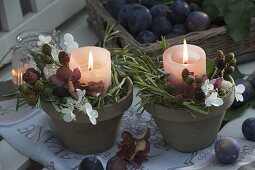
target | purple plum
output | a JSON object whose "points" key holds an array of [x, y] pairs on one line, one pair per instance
{"points": [[146, 37], [139, 19], [159, 10], [248, 129], [114, 6], [226, 150], [161, 26], [181, 10], [197, 21]]}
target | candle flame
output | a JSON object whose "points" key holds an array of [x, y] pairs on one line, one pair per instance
{"points": [[90, 62], [185, 52]]}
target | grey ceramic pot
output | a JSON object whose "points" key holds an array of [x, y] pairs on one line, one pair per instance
{"points": [[187, 131], [81, 136]]}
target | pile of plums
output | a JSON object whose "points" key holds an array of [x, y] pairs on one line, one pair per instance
{"points": [[148, 20]]}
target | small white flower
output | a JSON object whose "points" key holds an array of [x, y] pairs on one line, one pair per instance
{"points": [[93, 114], [43, 40], [81, 94], [70, 43], [49, 70], [239, 89], [54, 54], [207, 87], [68, 114], [214, 100]]}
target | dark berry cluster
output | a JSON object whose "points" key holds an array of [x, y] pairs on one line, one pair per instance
{"points": [[193, 85], [30, 76], [225, 65]]}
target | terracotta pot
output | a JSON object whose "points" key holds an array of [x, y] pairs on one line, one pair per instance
{"points": [[188, 131], [81, 136]]}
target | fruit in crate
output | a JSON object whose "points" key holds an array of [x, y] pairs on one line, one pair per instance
{"points": [[148, 20], [248, 129], [226, 150]]}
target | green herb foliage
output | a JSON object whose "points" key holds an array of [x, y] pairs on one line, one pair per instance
{"points": [[237, 15]]}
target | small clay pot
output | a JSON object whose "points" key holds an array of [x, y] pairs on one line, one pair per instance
{"points": [[188, 131], [81, 136]]}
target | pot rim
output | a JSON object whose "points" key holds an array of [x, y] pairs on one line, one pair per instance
{"points": [[107, 112]]}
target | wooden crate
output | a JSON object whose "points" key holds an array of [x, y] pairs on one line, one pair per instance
{"points": [[210, 40]]}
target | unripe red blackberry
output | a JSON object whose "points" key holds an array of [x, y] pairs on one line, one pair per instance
{"points": [[76, 75], [30, 76], [63, 58], [185, 73], [46, 49], [60, 92], [64, 73], [47, 92], [198, 82]]}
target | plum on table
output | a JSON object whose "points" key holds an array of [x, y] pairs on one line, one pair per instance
{"points": [[248, 129], [226, 150]]}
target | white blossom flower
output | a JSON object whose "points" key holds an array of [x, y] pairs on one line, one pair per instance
{"points": [[239, 89], [93, 114], [207, 87], [49, 70], [43, 40], [68, 114], [213, 99], [54, 54], [70, 43], [80, 94]]}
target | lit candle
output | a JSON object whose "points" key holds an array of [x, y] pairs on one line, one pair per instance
{"points": [[17, 73], [94, 64], [179, 57]]}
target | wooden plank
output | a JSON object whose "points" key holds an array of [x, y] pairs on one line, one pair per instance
{"points": [[46, 19], [10, 14], [37, 5]]}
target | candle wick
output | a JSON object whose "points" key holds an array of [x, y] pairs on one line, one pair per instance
{"points": [[90, 69]]}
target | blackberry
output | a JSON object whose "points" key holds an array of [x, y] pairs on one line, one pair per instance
{"points": [[39, 85], [47, 59], [64, 73], [232, 62], [60, 92], [220, 54], [220, 63], [229, 57], [185, 74], [46, 49], [221, 92], [64, 58], [199, 95], [31, 99], [190, 79], [30, 76], [198, 82], [76, 75], [229, 70]]}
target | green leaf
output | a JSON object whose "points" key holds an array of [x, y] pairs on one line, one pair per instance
{"points": [[38, 60], [237, 16], [210, 67], [214, 8], [233, 113]]}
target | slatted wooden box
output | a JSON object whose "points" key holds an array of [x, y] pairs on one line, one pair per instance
{"points": [[210, 40]]}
